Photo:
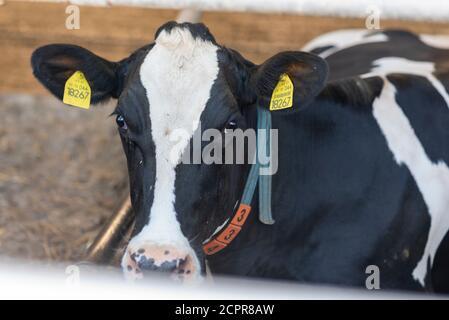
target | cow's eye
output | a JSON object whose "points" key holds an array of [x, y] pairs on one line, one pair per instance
{"points": [[231, 125], [121, 122]]}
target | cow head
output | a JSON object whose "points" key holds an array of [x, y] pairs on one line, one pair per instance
{"points": [[181, 85]]}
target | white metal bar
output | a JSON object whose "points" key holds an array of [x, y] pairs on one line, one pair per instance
{"points": [[429, 10], [21, 280]]}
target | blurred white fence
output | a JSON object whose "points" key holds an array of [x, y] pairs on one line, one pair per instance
{"points": [[424, 10], [19, 280]]}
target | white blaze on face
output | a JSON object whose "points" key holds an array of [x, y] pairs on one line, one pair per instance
{"points": [[177, 74]]}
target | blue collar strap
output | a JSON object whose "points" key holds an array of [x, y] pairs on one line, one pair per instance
{"points": [[224, 238], [263, 145]]}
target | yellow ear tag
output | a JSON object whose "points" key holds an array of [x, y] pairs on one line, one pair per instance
{"points": [[77, 91], [282, 97]]}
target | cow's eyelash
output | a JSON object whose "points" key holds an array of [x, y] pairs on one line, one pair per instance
{"points": [[116, 112]]}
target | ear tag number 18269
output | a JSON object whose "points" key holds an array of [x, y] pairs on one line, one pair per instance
{"points": [[77, 91], [282, 96]]}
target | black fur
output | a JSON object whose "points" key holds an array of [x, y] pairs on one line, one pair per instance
{"points": [[198, 30]]}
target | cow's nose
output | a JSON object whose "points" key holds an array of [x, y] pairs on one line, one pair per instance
{"points": [[148, 263], [154, 257]]}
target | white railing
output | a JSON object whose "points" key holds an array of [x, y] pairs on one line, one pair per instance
{"points": [[428, 10], [21, 280]]}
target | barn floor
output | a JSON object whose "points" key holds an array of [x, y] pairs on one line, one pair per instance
{"points": [[62, 171]]}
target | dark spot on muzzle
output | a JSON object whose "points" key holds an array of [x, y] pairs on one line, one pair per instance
{"points": [[148, 264]]}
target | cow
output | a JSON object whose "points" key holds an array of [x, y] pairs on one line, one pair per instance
{"points": [[362, 180]]}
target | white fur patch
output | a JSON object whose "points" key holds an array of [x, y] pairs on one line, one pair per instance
{"points": [[432, 178], [177, 74], [387, 65], [343, 39], [436, 41]]}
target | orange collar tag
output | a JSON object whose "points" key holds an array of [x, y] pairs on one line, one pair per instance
{"points": [[229, 233]]}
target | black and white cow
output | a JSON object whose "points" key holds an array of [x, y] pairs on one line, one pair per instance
{"points": [[362, 176]]}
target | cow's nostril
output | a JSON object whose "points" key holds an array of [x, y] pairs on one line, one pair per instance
{"points": [[146, 264], [149, 264], [168, 266]]}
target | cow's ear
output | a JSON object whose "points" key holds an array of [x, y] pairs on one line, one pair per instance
{"points": [[288, 81], [54, 64]]}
